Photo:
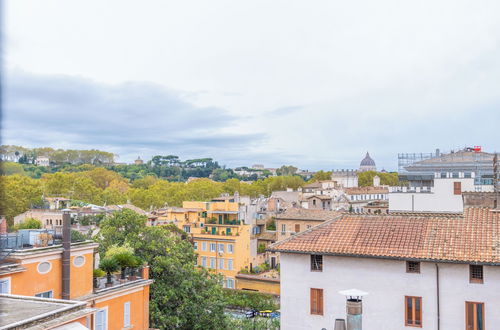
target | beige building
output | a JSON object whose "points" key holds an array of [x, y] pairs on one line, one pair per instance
{"points": [[50, 219], [296, 220]]}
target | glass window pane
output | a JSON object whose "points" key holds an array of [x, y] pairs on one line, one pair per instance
{"points": [[409, 310], [479, 313]]}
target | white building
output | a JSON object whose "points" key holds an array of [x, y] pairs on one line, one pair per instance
{"points": [[345, 178], [444, 196], [42, 161], [415, 268]]}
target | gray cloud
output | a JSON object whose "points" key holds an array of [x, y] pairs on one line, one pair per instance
{"points": [[129, 119]]}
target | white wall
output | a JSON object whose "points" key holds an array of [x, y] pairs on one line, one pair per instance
{"points": [[387, 283], [440, 199]]}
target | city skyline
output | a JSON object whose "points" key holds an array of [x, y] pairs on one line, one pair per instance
{"points": [[317, 90]]}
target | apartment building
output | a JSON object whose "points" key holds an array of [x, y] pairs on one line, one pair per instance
{"points": [[51, 270], [296, 220], [222, 241], [361, 197], [430, 271]]}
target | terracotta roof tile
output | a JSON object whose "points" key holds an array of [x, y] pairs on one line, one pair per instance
{"points": [[471, 237]]}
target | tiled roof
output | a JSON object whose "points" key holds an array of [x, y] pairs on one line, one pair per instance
{"points": [[471, 237], [325, 197], [267, 236], [307, 214]]}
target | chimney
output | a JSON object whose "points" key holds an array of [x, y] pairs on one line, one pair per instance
{"points": [[354, 308], [339, 324], [66, 255]]}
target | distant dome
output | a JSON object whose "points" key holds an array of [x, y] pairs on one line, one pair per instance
{"points": [[367, 161]]}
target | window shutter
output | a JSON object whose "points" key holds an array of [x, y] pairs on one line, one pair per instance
{"points": [[126, 315], [457, 188], [313, 301], [320, 301]]}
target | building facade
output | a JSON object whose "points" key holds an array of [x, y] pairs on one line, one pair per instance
{"points": [[425, 271], [38, 272]]}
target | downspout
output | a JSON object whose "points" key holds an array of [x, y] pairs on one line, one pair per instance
{"points": [[66, 255], [437, 297]]}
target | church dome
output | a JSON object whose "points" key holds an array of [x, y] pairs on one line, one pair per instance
{"points": [[367, 161]]}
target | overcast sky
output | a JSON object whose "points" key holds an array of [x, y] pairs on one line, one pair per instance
{"points": [[310, 83]]}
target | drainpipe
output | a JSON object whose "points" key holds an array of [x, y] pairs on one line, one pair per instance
{"points": [[66, 255], [437, 297]]}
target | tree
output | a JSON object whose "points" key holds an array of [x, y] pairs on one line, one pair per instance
{"points": [[17, 194], [9, 168], [183, 295], [366, 178], [119, 228], [286, 170], [29, 223], [320, 176]]}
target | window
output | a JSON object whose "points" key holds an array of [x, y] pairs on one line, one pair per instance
{"points": [[204, 261], [212, 262], [44, 267], [283, 229], [195, 245], [79, 261], [221, 247], [230, 283], [309, 226], [413, 311], [316, 263], [187, 229], [317, 301], [230, 248], [314, 202], [126, 315], [413, 267], [474, 315], [476, 273], [297, 227], [213, 247], [457, 188], [204, 246], [101, 319], [221, 263], [4, 285], [46, 294], [229, 264]]}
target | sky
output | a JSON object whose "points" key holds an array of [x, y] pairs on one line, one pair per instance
{"points": [[315, 84]]}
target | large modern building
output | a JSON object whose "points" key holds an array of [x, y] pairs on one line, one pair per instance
{"points": [[430, 271], [419, 170]]}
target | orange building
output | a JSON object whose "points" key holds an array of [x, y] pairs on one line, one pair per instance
{"points": [[27, 270]]}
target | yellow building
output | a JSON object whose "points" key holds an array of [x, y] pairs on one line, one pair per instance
{"points": [[221, 239]]}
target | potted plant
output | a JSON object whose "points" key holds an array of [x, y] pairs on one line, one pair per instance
{"points": [[133, 268], [125, 260], [98, 273], [109, 265]]}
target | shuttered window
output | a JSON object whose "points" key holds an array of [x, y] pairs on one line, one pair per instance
{"points": [[457, 188], [4, 285], [297, 228], [317, 301], [474, 315], [101, 319], [126, 315], [413, 311]]}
